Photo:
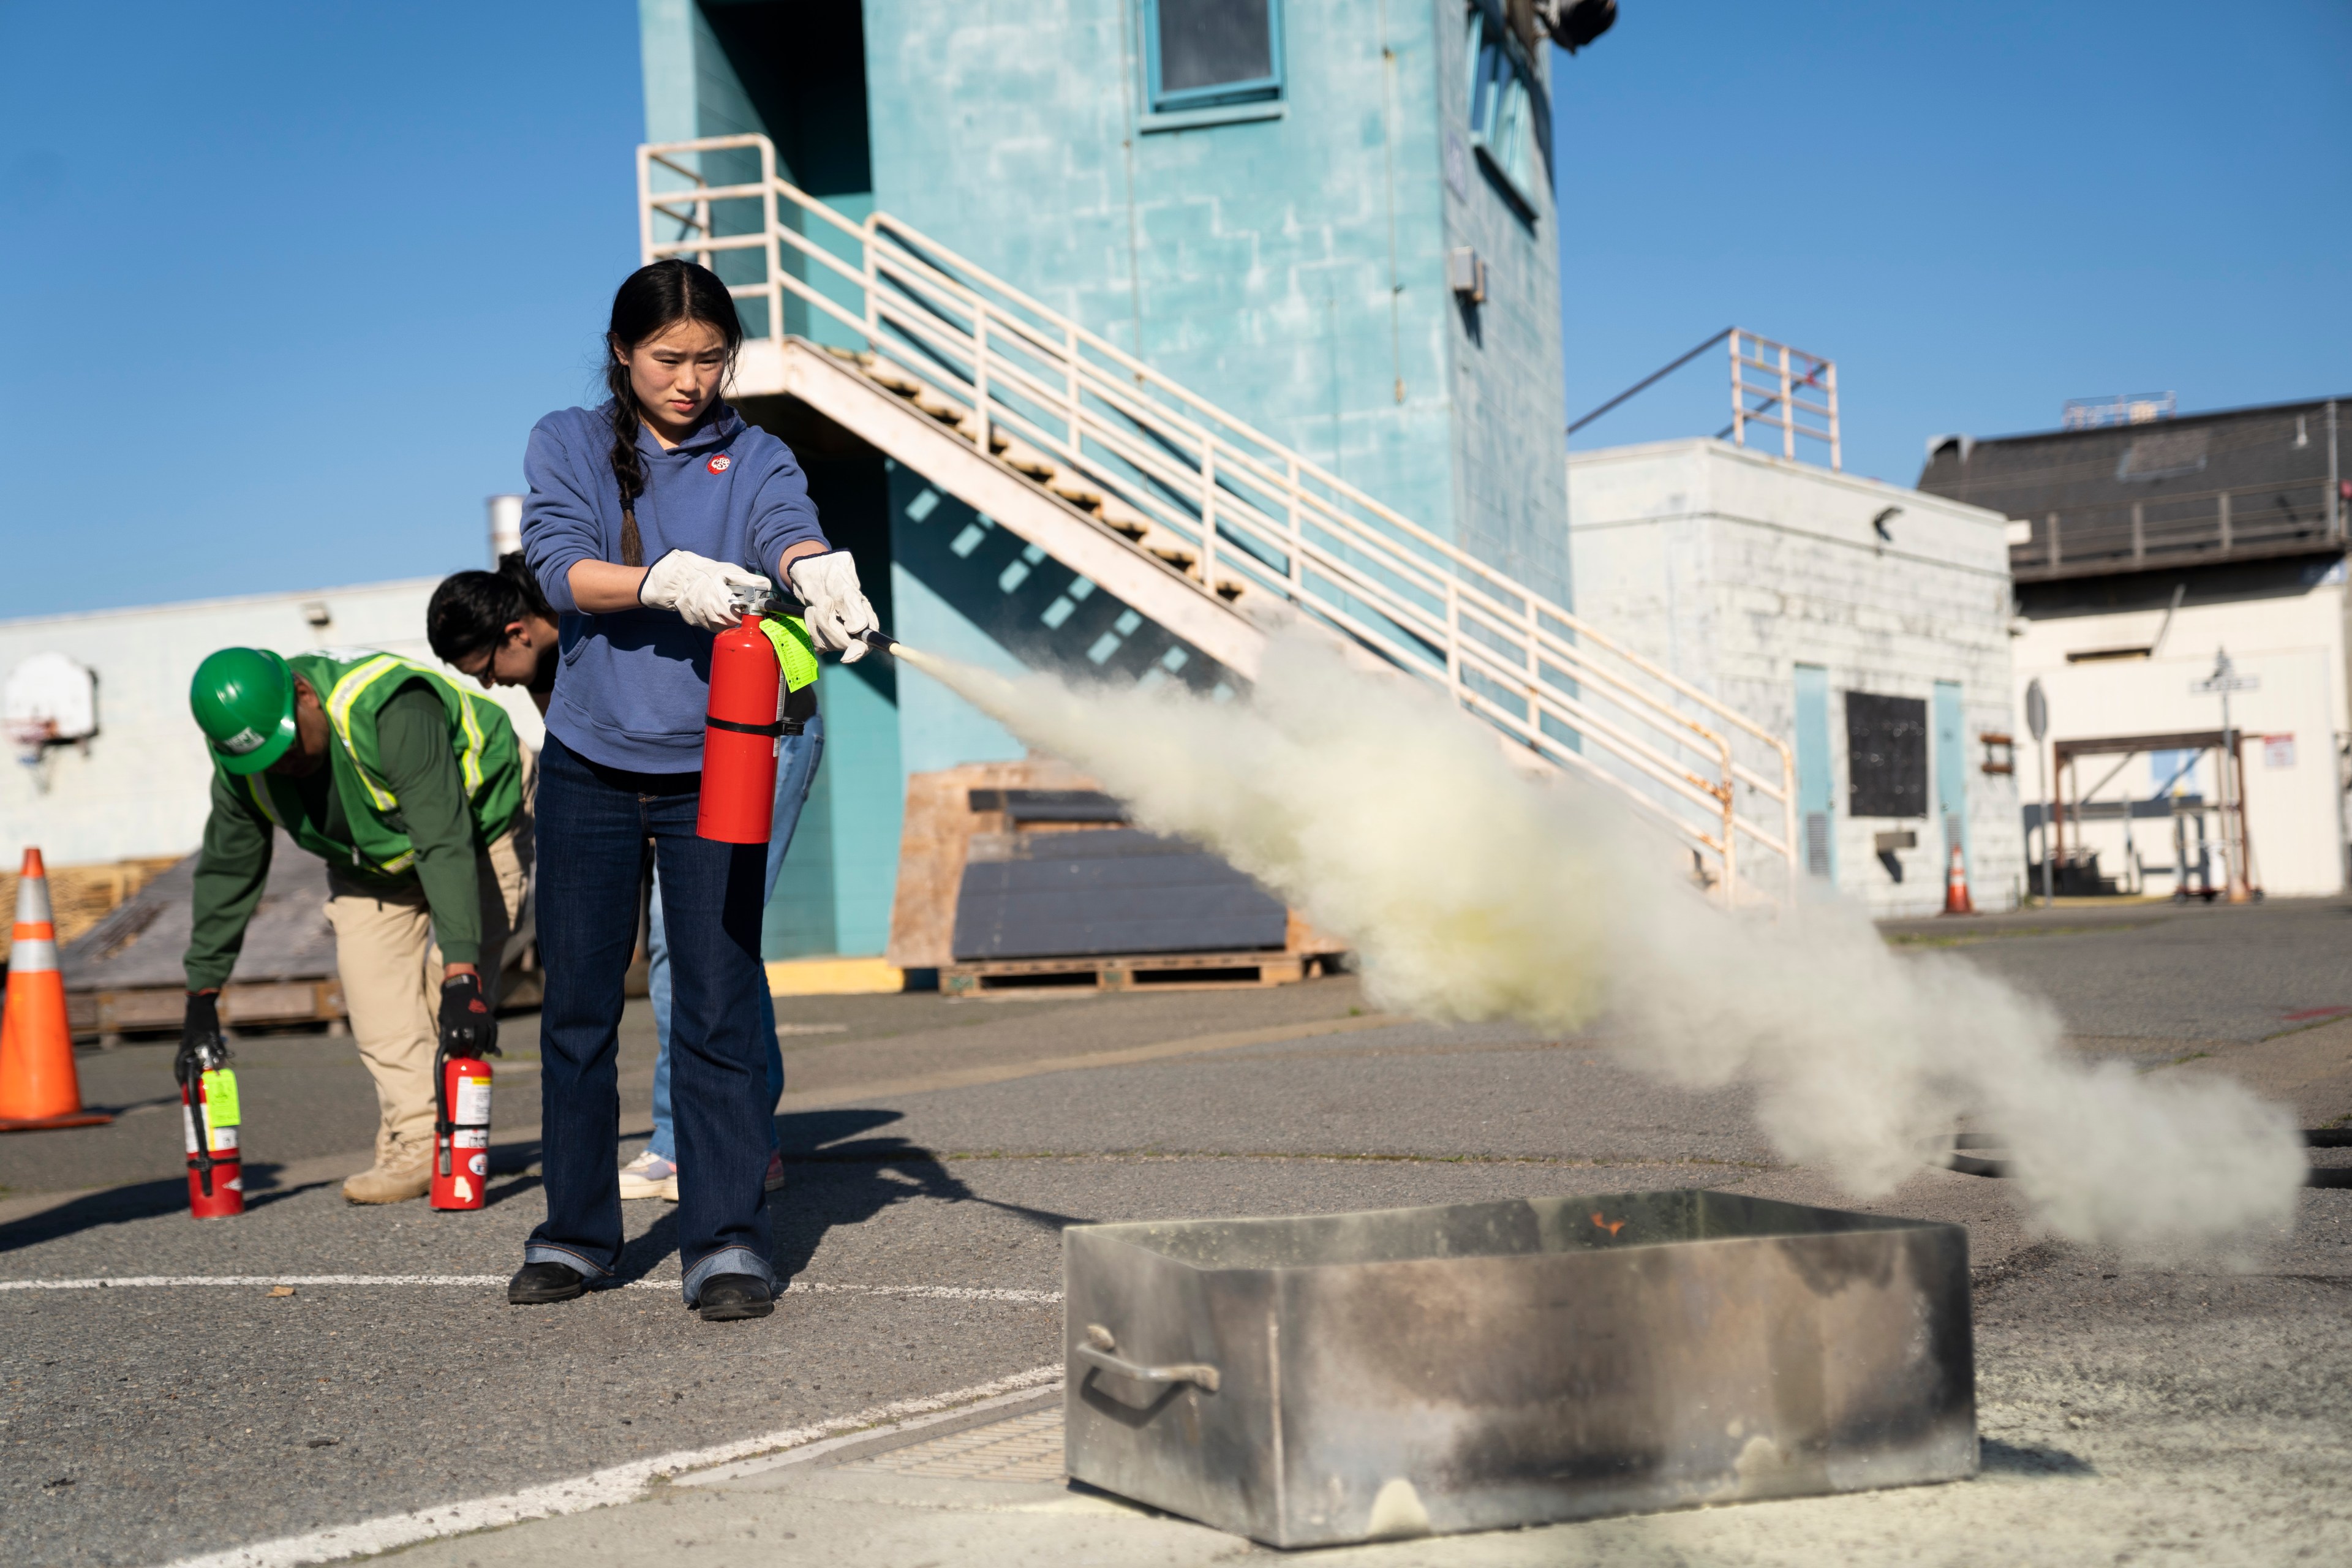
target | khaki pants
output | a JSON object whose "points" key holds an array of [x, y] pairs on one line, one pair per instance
{"points": [[391, 970]]}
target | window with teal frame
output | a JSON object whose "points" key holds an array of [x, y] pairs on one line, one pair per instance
{"points": [[1205, 53], [1509, 120]]}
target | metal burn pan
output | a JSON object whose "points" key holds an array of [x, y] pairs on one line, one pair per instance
{"points": [[1353, 1377]]}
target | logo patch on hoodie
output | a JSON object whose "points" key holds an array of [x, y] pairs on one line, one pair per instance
{"points": [[719, 462]]}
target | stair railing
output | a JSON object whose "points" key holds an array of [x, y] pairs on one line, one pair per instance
{"points": [[1233, 511]]}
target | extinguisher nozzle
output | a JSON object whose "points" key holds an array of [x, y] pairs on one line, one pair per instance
{"points": [[883, 642]]}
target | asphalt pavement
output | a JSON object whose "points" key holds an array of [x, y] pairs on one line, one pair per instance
{"points": [[937, 1147]]}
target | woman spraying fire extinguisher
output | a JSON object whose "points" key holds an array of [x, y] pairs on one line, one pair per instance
{"points": [[650, 524], [496, 627]]}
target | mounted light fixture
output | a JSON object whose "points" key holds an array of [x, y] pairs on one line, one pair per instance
{"points": [[1466, 275], [1573, 24]]}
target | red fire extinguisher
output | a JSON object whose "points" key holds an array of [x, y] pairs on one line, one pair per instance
{"points": [[461, 1130], [741, 737], [209, 1117]]}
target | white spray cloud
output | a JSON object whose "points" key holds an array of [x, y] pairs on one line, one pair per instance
{"points": [[1473, 890]]}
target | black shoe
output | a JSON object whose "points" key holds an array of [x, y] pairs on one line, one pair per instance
{"points": [[536, 1284], [727, 1296]]}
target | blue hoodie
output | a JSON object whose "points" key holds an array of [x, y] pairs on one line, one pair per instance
{"points": [[633, 686]]}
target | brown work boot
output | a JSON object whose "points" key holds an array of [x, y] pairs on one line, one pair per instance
{"points": [[397, 1175]]}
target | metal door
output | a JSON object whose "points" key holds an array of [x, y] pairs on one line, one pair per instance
{"points": [[1816, 773], [1952, 765]]}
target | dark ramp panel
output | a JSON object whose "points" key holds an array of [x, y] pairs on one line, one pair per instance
{"points": [[1105, 890], [1049, 804], [141, 944]]}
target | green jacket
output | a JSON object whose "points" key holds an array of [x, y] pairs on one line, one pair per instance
{"points": [[421, 775]]}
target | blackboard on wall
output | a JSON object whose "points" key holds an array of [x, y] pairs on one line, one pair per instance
{"points": [[1885, 755]]}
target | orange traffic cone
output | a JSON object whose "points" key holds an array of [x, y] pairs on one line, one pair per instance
{"points": [[1955, 886], [38, 1087]]}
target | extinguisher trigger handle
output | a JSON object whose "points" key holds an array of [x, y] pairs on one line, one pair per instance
{"points": [[757, 597]]}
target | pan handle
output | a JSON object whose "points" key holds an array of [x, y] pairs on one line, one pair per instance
{"points": [[1101, 1351]]}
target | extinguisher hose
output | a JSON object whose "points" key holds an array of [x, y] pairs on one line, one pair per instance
{"points": [[1953, 1156], [189, 1068], [442, 1126]]}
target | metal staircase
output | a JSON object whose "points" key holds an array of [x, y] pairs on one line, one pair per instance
{"points": [[1214, 530]]}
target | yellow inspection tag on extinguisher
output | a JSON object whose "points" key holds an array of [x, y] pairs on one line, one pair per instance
{"points": [[795, 649], [220, 1098]]}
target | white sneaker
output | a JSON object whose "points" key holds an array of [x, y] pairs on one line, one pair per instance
{"points": [[649, 1176]]}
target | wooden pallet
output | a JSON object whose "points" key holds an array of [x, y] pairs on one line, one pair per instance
{"points": [[81, 896], [111, 1015], [1141, 972]]}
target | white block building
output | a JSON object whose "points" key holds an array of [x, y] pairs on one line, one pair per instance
{"points": [[139, 784], [1865, 624], [2144, 545], [2289, 638]]}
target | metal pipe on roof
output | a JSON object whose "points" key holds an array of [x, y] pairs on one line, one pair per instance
{"points": [[2334, 483], [1650, 380]]}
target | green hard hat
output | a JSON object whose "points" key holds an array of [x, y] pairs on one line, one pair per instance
{"points": [[243, 698]]}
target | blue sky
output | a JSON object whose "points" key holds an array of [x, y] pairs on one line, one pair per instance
{"points": [[290, 282], [1977, 211]]}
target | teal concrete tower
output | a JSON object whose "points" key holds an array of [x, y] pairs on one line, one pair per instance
{"points": [[1333, 217]]}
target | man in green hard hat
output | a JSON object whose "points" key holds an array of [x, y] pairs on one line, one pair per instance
{"points": [[415, 793]]}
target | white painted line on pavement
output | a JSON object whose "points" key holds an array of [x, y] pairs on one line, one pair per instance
{"points": [[928, 1292], [149, 1281], [767, 1462], [797, 1288], [598, 1489]]}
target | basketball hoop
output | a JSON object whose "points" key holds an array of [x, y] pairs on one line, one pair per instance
{"points": [[30, 738], [46, 700]]}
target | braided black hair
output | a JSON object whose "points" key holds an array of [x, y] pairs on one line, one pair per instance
{"points": [[652, 299], [470, 611]]}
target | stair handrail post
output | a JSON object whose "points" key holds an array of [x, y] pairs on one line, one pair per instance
{"points": [[1730, 834], [644, 205], [1738, 403], [702, 213], [1209, 512], [1535, 665], [872, 243], [1297, 552], [1787, 409], [980, 375], [775, 252], [1452, 636], [1837, 454], [1789, 813], [1070, 377]]}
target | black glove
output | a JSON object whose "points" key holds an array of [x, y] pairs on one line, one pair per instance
{"points": [[468, 1027], [200, 1025]]}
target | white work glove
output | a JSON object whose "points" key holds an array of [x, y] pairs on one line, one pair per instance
{"points": [[705, 591], [839, 613]]}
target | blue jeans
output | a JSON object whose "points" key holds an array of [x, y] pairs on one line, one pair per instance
{"points": [[593, 822], [795, 771]]}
